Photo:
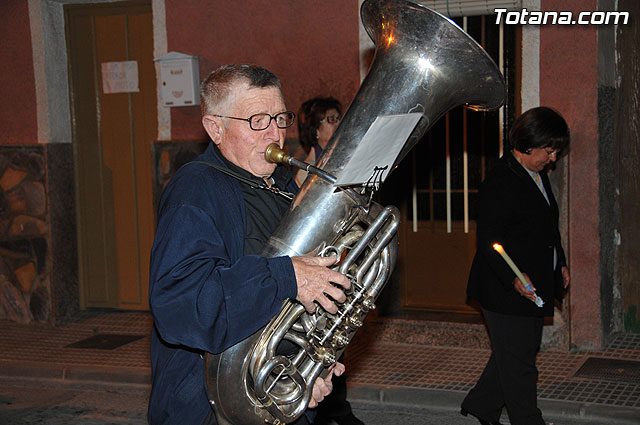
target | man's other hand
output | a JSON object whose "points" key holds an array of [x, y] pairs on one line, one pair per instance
{"points": [[323, 386]]}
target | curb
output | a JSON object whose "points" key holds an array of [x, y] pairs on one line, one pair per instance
{"points": [[405, 397], [451, 400], [103, 374]]}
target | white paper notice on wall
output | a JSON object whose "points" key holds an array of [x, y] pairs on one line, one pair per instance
{"points": [[120, 77]]}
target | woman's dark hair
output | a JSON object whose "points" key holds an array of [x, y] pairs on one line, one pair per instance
{"points": [[311, 113], [539, 127]]}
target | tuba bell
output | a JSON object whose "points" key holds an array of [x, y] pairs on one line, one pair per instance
{"points": [[423, 63]]}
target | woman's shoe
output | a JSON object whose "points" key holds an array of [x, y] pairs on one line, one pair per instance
{"points": [[465, 412]]}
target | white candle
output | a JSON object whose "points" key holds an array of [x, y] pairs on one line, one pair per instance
{"points": [[500, 250], [510, 262]]}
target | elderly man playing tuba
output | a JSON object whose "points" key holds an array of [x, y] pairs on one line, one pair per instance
{"points": [[209, 288]]}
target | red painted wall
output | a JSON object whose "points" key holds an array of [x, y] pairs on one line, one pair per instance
{"points": [[568, 82], [311, 46], [18, 121]]}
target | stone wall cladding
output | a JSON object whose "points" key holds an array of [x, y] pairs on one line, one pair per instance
{"points": [[24, 229]]}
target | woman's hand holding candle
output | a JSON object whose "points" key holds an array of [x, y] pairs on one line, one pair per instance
{"points": [[526, 289], [521, 283]]}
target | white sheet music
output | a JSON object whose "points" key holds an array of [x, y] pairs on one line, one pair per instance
{"points": [[378, 150]]}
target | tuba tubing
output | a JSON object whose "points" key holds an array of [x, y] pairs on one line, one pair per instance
{"points": [[425, 63]]}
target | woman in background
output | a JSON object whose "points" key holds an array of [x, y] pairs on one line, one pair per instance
{"points": [[319, 117], [517, 209]]}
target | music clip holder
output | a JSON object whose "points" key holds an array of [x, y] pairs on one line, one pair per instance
{"points": [[378, 150]]}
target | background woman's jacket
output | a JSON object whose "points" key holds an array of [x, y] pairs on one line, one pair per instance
{"points": [[514, 213]]}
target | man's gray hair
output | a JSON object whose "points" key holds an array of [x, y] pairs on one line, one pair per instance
{"points": [[215, 90]]}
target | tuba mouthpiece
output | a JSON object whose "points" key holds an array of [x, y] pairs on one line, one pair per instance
{"points": [[274, 154]]}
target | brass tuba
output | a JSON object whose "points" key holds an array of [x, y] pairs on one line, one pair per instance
{"points": [[423, 63]]}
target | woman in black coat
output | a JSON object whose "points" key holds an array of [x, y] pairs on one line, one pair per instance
{"points": [[517, 209]]}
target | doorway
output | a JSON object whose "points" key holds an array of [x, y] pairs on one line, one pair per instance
{"points": [[437, 234], [114, 123], [436, 188]]}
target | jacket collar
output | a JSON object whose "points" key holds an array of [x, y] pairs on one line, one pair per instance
{"points": [[281, 175], [519, 170]]}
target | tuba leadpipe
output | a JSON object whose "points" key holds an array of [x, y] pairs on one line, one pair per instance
{"points": [[424, 63], [274, 154]]}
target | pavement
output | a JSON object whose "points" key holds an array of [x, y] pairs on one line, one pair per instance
{"points": [[113, 347]]}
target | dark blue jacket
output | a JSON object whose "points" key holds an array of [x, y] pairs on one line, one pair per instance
{"points": [[205, 295]]}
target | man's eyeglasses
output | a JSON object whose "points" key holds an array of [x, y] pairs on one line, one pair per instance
{"points": [[259, 122], [331, 119]]}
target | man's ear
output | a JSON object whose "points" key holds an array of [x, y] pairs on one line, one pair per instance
{"points": [[213, 126]]}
